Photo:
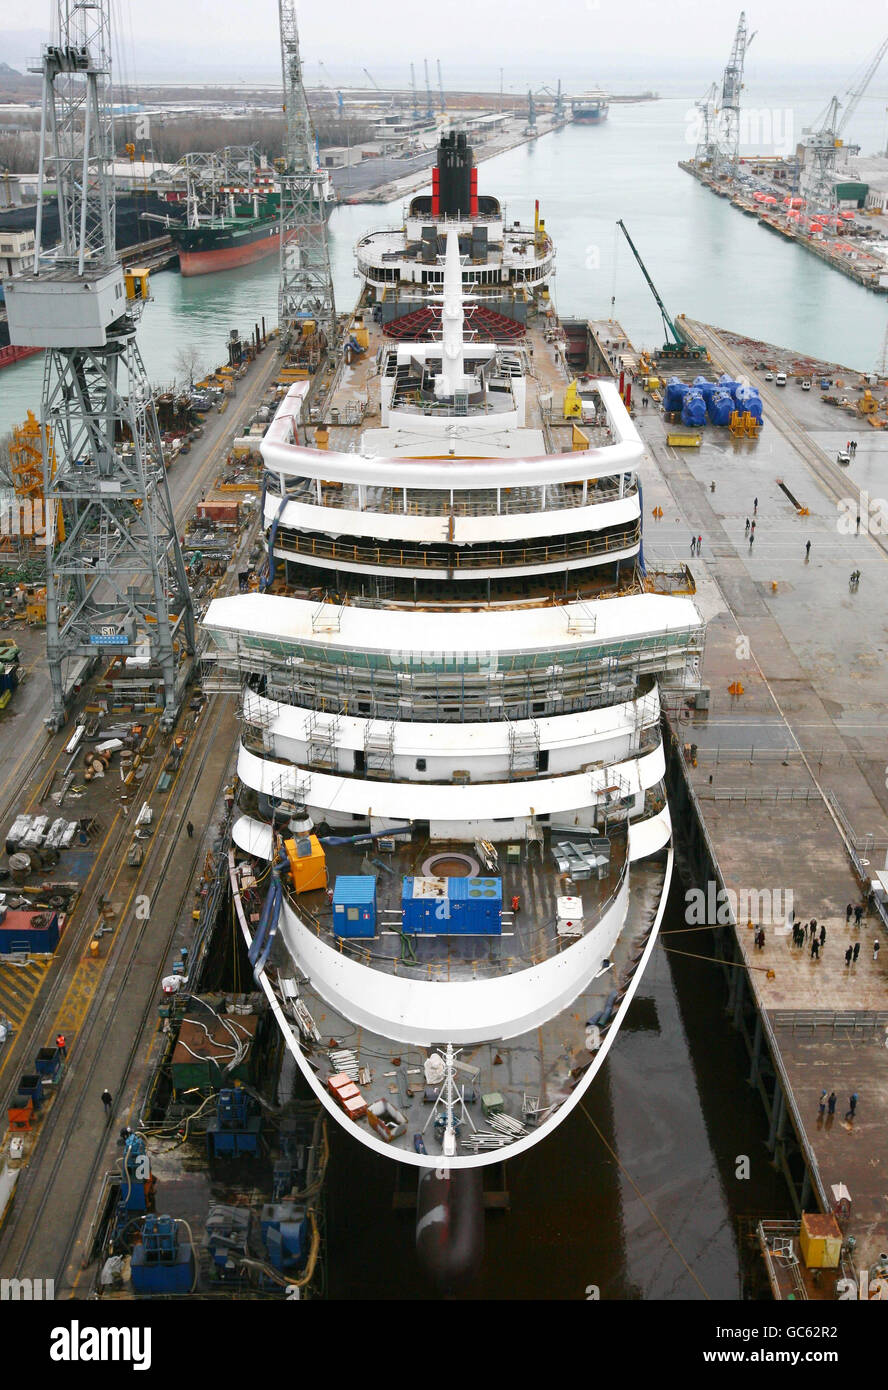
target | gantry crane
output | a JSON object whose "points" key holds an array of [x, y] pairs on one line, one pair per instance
{"points": [[115, 577], [441, 89], [676, 345], [305, 292]]}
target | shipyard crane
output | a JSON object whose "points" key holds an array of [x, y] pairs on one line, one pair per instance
{"points": [[824, 145], [115, 577], [677, 346], [305, 292], [441, 89], [728, 112], [430, 109], [531, 127], [369, 74], [706, 151]]}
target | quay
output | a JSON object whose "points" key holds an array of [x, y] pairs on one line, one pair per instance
{"points": [[778, 780], [856, 263]]}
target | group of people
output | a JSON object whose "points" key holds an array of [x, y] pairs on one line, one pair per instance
{"points": [[809, 931], [827, 1105], [696, 543], [854, 580]]}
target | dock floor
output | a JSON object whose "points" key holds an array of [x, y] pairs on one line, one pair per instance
{"points": [[791, 773]]}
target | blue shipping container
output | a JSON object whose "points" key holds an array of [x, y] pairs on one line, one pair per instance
{"points": [[452, 906], [354, 905]]}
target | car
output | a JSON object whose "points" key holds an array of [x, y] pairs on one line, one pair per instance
{"points": [[769, 376], [780, 379], [806, 386], [843, 457]]}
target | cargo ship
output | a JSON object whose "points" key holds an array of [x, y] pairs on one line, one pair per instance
{"points": [[451, 840], [247, 230], [590, 108]]}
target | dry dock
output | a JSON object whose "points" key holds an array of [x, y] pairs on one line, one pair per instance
{"points": [[786, 788]]}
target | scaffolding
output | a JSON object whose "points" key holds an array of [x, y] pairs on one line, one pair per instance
{"points": [[379, 749], [524, 747], [321, 734]]}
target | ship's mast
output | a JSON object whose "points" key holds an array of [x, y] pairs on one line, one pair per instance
{"points": [[306, 284], [115, 577]]}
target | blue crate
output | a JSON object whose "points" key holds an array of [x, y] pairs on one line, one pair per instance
{"points": [[354, 905]]}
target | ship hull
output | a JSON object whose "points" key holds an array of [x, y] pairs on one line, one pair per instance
{"points": [[229, 257]]}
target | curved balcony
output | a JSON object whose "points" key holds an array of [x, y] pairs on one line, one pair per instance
{"points": [[554, 554]]}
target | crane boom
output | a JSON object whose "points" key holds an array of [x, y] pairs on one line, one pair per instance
{"points": [[670, 327], [856, 94]]}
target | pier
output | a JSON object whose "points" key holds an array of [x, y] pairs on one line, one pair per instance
{"points": [[779, 785]]}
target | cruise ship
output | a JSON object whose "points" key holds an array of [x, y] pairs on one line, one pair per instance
{"points": [[451, 843]]}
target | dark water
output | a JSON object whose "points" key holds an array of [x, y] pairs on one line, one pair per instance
{"points": [[672, 1104]]}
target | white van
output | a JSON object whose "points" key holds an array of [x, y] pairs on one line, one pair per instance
{"points": [[780, 379]]}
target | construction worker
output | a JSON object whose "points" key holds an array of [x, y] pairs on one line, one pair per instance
{"points": [[107, 1101], [516, 904], [190, 828], [62, 1045]]}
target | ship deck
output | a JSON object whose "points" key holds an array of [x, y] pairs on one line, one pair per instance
{"points": [[530, 1075], [352, 403], [528, 937]]}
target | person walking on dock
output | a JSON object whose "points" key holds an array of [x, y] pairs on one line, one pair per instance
{"points": [[852, 1107], [822, 937], [807, 549], [877, 945], [821, 1106], [746, 532], [848, 954], [693, 545], [815, 947], [848, 910], [856, 951], [755, 506], [190, 828], [858, 914], [699, 544], [751, 539], [107, 1102], [62, 1044], [831, 1103]]}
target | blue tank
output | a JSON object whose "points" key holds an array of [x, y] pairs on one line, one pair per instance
{"points": [[748, 399], [693, 412], [706, 388], [673, 396], [721, 408], [727, 383]]}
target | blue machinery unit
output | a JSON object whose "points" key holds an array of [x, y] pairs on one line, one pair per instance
{"points": [[135, 1183], [236, 1127], [162, 1264], [452, 906], [354, 905], [285, 1234]]}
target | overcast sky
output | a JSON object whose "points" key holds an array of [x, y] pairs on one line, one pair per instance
{"points": [[182, 38]]}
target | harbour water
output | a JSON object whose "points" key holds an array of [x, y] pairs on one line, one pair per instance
{"points": [[706, 258]]}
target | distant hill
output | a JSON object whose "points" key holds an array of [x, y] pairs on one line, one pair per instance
{"points": [[7, 71]]}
